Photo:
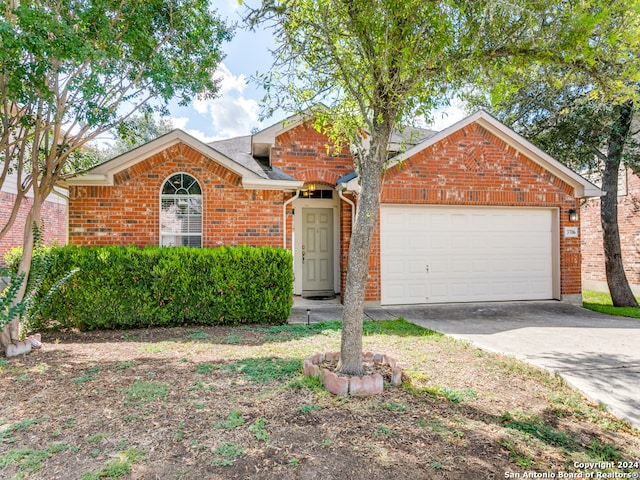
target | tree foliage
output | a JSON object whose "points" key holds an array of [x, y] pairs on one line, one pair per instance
{"points": [[594, 136], [380, 63], [586, 118], [73, 69], [135, 131]]}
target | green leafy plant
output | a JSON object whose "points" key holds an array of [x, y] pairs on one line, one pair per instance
{"points": [[536, 428], [33, 300], [205, 368], [5, 435], [264, 370], [310, 407], [385, 431], [117, 468], [142, 392], [258, 428], [395, 407], [30, 460], [234, 420], [226, 454], [97, 437], [454, 395], [522, 459]]}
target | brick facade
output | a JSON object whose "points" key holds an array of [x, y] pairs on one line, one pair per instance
{"points": [[53, 213], [473, 167], [593, 270], [302, 153], [127, 213]]}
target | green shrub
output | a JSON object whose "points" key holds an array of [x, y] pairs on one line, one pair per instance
{"points": [[128, 287]]}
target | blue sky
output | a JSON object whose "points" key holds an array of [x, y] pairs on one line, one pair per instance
{"points": [[236, 111]]}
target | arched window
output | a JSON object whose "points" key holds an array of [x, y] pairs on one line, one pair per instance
{"points": [[181, 211]]}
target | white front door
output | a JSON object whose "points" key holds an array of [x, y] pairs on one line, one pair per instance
{"points": [[317, 251]]}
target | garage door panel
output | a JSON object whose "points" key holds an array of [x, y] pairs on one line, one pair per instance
{"points": [[460, 254]]}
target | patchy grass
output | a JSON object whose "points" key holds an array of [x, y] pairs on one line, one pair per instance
{"points": [[117, 468], [142, 392], [231, 402], [601, 302]]}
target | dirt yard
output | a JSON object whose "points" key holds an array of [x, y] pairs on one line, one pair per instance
{"points": [[231, 403]]}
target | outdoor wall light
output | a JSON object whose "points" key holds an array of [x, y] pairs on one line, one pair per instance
{"points": [[573, 215]]}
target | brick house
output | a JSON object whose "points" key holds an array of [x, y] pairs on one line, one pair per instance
{"points": [[54, 214], [472, 213], [593, 270]]}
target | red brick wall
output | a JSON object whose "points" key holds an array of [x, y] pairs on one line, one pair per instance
{"points": [[473, 167], [128, 212], [54, 216], [629, 224], [346, 221], [302, 153]]}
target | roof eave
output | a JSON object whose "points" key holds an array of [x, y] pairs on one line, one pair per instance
{"points": [[264, 184], [582, 187], [103, 174]]}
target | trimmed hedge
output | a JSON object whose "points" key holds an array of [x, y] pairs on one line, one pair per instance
{"points": [[129, 287]]}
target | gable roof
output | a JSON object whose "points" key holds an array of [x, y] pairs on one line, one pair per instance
{"points": [[582, 187], [253, 176], [238, 149]]}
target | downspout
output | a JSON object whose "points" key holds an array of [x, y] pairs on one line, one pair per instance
{"points": [[353, 206], [284, 219]]}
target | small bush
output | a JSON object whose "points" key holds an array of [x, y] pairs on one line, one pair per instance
{"points": [[128, 287]]}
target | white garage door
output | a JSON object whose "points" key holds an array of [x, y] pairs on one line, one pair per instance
{"points": [[465, 254]]}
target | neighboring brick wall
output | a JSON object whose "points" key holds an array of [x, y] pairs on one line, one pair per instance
{"points": [[593, 270], [302, 153], [54, 215], [128, 212], [473, 167]]}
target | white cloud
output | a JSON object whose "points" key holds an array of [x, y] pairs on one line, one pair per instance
{"points": [[203, 137], [447, 116], [179, 122], [231, 114]]}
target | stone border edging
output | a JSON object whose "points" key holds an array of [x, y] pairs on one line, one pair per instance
{"points": [[364, 386]]}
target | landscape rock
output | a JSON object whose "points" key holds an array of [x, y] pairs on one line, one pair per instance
{"points": [[396, 376], [367, 356], [309, 369], [373, 384], [335, 384], [332, 356], [20, 348]]}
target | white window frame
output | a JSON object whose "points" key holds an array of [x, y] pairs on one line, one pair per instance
{"points": [[188, 196]]}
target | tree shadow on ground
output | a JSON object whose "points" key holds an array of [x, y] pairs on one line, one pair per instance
{"points": [[253, 334]]}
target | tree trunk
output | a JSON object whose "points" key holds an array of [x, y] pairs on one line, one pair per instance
{"points": [[621, 293], [370, 174], [11, 332]]}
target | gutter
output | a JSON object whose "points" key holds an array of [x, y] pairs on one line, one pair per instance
{"points": [[284, 219], [341, 188]]}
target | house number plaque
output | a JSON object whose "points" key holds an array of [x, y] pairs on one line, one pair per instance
{"points": [[570, 232]]}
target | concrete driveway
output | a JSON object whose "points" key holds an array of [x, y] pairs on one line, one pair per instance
{"points": [[597, 354]]}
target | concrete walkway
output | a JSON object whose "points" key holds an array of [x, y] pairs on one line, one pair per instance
{"points": [[597, 354]]}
